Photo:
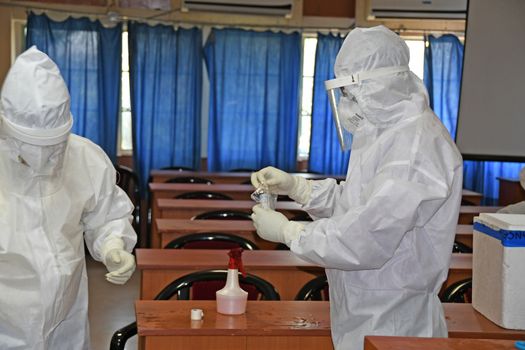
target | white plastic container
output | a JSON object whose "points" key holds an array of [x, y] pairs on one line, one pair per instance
{"points": [[498, 273], [231, 300]]}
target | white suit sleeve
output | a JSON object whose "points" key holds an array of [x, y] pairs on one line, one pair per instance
{"points": [[325, 194], [366, 236], [108, 214]]}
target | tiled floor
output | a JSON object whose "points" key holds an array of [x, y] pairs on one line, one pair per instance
{"points": [[110, 306]]}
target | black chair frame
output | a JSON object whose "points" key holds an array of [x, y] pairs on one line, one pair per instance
{"points": [[223, 214], [312, 290], [211, 236], [203, 195], [455, 293]]}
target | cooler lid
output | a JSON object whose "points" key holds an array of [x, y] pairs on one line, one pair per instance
{"points": [[508, 228], [508, 222]]}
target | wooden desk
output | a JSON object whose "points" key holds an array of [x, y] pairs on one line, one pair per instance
{"points": [[283, 269], [510, 191], [465, 322], [170, 229], [169, 190], [226, 177], [273, 325], [287, 272], [467, 213], [472, 197], [464, 234], [188, 208], [414, 343], [265, 325]]}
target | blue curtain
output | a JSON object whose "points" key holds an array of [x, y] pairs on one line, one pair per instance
{"points": [[326, 156], [89, 58], [443, 67], [254, 100], [166, 83]]}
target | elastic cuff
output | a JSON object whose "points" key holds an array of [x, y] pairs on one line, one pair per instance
{"points": [[301, 190], [111, 243], [291, 231]]}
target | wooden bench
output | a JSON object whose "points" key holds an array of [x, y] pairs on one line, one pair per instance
{"points": [[282, 268], [301, 325], [468, 212]]}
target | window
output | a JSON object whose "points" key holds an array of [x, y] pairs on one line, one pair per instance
{"points": [[125, 138], [417, 56], [309, 47]]}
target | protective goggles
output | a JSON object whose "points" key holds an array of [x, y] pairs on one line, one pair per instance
{"points": [[38, 137], [335, 88]]}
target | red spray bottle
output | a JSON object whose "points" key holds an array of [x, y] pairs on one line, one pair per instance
{"points": [[231, 300]]}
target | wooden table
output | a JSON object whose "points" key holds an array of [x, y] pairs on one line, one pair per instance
{"points": [[283, 269], [170, 229], [464, 234], [468, 212], [169, 190], [510, 191], [166, 325], [188, 208], [225, 177], [414, 343], [472, 197], [265, 325], [465, 322]]}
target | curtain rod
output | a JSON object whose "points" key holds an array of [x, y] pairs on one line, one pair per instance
{"points": [[178, 23]]}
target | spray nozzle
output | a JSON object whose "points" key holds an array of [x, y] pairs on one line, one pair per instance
{"points": [[236, 260]]}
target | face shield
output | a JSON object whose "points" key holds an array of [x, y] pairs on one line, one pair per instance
{"points": [[36, 155], [346, 112]]}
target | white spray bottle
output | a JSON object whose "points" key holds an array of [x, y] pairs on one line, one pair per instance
{"points": [[231, 300]]}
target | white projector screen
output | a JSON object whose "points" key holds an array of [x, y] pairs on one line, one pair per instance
{"points": [[491, 121]]}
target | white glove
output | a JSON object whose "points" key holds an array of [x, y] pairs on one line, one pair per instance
{"points": [[280, 182], [274, 226], [118, 261]]}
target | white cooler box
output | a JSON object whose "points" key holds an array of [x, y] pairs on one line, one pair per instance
{"points": [[498, 269]]}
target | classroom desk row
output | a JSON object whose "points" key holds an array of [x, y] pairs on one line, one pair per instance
{"points": [[304, 325], [242, 191], [170, 229], [188, 208], [225, 177], [283, 269]]}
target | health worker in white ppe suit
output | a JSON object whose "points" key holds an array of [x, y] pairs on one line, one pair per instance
{"points": [[57, 190], [385, 235]]}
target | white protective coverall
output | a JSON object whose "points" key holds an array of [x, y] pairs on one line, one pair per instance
{"points": [[51, 198], [385, 235]]}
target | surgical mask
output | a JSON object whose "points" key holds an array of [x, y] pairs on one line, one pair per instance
{"points": [[351, 115], [41, 160], [347, 114]]}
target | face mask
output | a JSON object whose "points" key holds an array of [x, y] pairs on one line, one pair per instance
{"points": [[41, 160], [351, 116], [348, 117]]}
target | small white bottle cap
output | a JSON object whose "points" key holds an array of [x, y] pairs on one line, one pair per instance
{"points": [[196, 314]]}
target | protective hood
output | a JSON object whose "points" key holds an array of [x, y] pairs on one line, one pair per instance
{"points": [[384, 99], [35, 123], [34, 102]]}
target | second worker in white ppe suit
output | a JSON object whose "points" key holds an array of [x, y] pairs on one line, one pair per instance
{"points": [[385, 235], [57, 190]]}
